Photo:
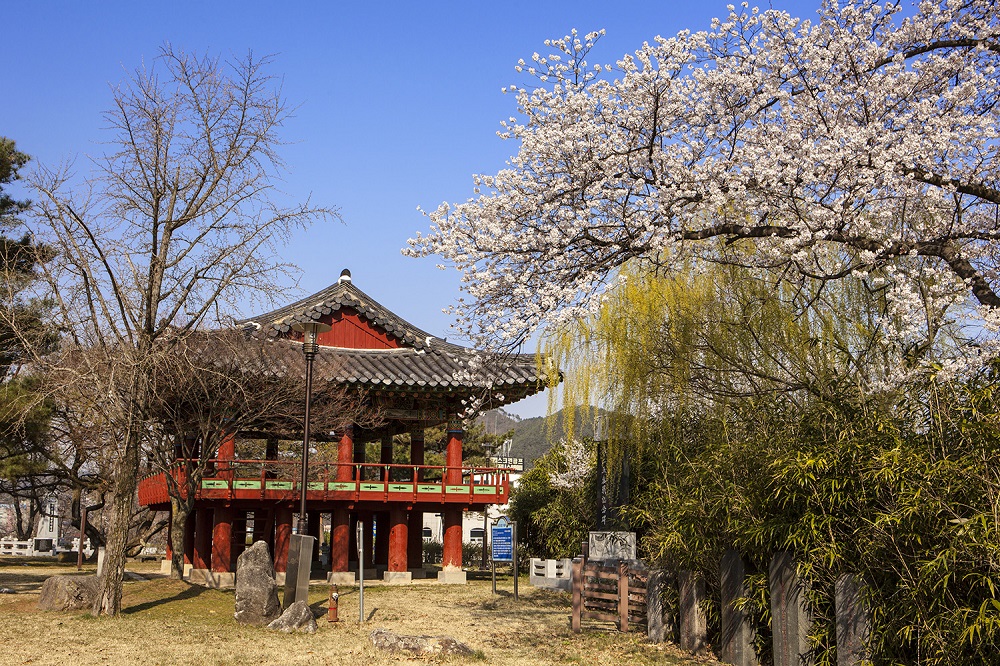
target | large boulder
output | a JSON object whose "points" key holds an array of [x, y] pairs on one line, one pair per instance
{"points": [[421, 646], [60, 593], [256, 591], [297, 617]]}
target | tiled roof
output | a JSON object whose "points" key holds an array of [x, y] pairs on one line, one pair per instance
{"points": [[423, 363], [338, 295]]}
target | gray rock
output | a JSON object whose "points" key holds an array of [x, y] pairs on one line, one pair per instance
{"points": [[60, 593], [297, 617], [384, 639], [256, 591]]}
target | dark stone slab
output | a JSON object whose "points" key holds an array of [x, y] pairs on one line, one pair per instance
{"points": [[790, 619], [853, 622], [736, 637], [694, 630]]}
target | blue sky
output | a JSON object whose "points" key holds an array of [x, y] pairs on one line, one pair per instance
{"points": [[398, 104]]}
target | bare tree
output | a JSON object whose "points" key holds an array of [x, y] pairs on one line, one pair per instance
{"points": [[213, 385], [180, 218]]}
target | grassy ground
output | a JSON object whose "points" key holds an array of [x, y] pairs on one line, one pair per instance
{"points": [[172, 622]]}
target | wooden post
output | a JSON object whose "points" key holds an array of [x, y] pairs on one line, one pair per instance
{"points": [[222, 535], [282, 535], [622, 595], [345, 454], [453, 454], [451, 556], [340, 538], [397, 539], [577, 586]]}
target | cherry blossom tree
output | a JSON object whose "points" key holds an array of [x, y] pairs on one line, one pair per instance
{"points": [[862, 143]]}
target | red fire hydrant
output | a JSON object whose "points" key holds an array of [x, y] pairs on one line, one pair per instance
{"points": [[334, 600]]}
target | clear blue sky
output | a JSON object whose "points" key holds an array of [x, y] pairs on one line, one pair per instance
{"points": [[399, 104]]}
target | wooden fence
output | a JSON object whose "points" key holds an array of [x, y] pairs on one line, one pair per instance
{"points": [[612, 592]]}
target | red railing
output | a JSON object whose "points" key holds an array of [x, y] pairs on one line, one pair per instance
{"points": [[280, 480]]}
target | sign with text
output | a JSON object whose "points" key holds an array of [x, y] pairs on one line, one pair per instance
{"points": [[516, 464], [502, 541]]}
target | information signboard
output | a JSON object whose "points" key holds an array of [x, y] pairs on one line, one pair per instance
{"points": [[502, 541]]}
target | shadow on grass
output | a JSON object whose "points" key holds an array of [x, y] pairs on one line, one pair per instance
{"points": [[192, 591]]}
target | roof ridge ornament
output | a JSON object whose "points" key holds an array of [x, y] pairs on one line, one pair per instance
{"points": [[345, 276]]}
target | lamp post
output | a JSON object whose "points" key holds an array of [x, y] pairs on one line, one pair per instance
{"points": [[300, 546]]}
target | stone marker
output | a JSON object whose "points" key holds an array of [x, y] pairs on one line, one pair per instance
{"points": [[660, 622], [256, 590], [853, 622], [384, 639], [790, 620], [297, 617], [60, 593], [736, 638], [694, 629]]}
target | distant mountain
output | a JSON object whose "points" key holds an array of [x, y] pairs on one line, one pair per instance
{"points": [[533, 437]]}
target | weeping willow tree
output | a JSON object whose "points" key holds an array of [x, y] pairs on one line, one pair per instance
{"points": [[771, 416]]}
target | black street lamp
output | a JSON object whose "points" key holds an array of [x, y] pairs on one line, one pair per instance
{"points": [[300, 546]]}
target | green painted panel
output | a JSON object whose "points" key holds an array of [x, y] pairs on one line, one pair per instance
{"points": [[279, 485], [428, 488], [246, 485], [400, 487], [372, 487], [342, 485], [457, 489], [485, 490], [214, 484], [315, 485]]}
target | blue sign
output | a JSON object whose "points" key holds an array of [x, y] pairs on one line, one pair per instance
{"points": [[502, 541]]}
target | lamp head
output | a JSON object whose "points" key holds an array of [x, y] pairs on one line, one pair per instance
{"points": [[310, 330]]}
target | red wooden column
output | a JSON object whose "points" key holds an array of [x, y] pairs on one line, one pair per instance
{"points": [[227, 451], [222, 535], [453, 456], [451, 557], [415, 529], [202, 555], [397, 540], [340, 541], [345, 454], [282, 535]]}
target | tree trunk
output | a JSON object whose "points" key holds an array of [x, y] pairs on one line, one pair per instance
{"points": [[180, 510], [125, 472]]}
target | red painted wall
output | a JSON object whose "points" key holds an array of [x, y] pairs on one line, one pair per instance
{"points": [[352, 331]]}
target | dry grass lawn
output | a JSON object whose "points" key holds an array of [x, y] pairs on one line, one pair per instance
{"points": [[172, 622]]}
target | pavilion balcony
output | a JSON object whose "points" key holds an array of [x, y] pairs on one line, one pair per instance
{"points": [[280, 481]]}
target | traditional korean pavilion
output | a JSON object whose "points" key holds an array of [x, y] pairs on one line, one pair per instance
{"points": [[416, 381]]}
